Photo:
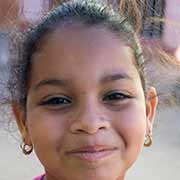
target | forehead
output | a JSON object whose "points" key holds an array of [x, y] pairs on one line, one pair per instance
{"points": [[83, 50]]}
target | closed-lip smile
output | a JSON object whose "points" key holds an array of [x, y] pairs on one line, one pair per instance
{"points": [[92, 153]]}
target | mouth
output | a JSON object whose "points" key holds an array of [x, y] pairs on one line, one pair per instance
{"points": [[93, 153]]}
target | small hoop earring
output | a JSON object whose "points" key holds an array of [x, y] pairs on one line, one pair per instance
{"points": [[148, 140], [26, 149]]}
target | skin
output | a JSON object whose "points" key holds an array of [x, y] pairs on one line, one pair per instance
{"points": [[69, 104]]}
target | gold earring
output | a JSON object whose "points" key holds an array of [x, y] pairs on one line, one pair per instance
{"points": [[148, 140], [26, 149]]}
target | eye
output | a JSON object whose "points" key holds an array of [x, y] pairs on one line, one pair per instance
{"points": [[57, 101], [116, 96]]}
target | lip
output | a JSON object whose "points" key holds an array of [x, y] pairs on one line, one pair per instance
{"points": [[92, 153]]}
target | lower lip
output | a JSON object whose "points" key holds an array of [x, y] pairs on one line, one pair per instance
{"points": [[92, 156]]}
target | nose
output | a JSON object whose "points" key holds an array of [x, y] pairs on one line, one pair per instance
{"points": [[89, 120]]}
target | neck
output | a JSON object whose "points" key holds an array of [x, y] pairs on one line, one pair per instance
{"points": [[44, 178]]}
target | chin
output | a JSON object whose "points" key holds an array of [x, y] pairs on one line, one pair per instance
{"points": [[96, 175]]}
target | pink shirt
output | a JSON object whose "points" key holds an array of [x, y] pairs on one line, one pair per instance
{"points": [[39, 178]]}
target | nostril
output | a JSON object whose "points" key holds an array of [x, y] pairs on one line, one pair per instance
{"points": [[80, 131], [89, 124], [102, 128]]}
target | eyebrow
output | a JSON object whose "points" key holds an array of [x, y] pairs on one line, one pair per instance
{"points": [[115, 77], [53, 82], [64, 83]]}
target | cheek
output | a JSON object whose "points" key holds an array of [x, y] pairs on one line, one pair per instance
{"points": [[130, 124], [45, 130], [131, 127]]}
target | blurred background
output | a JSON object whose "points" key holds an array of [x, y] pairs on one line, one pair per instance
{"points": [[162, 161]]}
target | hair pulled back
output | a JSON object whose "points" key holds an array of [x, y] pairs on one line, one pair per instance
{"points": [[89, 13]]}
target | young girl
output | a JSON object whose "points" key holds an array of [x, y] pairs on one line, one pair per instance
{"points": [[79, 94]]}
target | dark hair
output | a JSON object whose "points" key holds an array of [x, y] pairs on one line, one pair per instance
{"points": [[89, 13]]}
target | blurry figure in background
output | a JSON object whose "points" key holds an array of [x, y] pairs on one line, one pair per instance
{"points": [[33, 10], [171, 34], [20, 12]]}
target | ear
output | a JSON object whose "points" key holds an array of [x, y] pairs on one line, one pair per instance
{"points": [[151, 105], [20, 116]]}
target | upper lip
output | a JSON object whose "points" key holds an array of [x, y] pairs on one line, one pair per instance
{"points": [[92, 149]]}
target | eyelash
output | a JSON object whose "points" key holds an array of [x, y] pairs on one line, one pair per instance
{"points": [[116, 96], [55, 101], [112, 97]]}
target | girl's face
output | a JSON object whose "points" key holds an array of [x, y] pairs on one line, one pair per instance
{"points": [[86, 114]]}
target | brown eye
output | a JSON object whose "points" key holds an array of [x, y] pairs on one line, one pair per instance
{"points": [[57, 101], [116, 96]]}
